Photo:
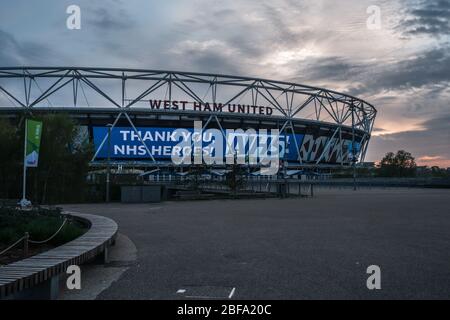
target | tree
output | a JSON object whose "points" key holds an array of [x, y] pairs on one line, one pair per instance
{"points": [[195, 176], [235, 178], [63, 162], [11, 159], [437, 172], [401, 164]]}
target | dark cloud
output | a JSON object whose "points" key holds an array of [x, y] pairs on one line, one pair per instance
{"points": [[433, 139], [275, 17], [378, 130], [9, 49], [247, 46], [427, 17], [255, 33], [429, 68], [331, 68], [14, 52], [211, 59], [224, 13], [110, 19]]}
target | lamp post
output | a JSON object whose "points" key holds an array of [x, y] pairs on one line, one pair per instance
{"points": [[354, 159], [108, 165]]}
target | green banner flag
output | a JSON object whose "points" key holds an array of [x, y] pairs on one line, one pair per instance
{"points": [[33, 138]]}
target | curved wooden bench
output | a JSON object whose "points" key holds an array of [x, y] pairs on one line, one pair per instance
{"points": [[38, 276]]}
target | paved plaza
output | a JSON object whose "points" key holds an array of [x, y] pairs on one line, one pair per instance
{"points": [[298, 248]]}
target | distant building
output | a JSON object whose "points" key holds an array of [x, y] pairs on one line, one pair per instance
{"points": [[422, 170], [368, 165]]}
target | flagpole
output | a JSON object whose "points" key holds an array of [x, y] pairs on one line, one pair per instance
{"points": [[24, 187]]}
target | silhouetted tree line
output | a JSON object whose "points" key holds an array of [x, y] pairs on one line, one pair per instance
{"points": [[437, 172], [401, 164], [63, 162]]}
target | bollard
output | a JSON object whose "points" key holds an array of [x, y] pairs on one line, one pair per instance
{"points": [[25, 244]]}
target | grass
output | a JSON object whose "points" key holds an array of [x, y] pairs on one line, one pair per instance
{"points": [[40, 223]]}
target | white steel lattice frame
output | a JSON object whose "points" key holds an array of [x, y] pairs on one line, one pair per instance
{"points": [[290, 101]]}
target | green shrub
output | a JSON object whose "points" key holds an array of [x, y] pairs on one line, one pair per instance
{"points": [[39, 223]]}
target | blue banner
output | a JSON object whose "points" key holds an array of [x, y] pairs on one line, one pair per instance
{"points": [[125, 143]]}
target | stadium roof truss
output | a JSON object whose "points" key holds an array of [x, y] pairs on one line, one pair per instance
{"points": [[124, 91]]}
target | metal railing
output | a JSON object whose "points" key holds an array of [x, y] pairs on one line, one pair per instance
{"points": [[26, 240]]}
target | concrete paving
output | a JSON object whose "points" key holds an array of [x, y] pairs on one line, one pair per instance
{"points": [[299, 248], [98, 276]]}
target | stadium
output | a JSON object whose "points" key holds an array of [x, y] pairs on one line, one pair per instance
{"points": [[117, 108]]}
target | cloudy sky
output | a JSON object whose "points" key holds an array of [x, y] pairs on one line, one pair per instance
{"points": [[402, 67]]}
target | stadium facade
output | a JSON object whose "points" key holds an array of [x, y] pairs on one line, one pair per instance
{"points": [[130, 114]]}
